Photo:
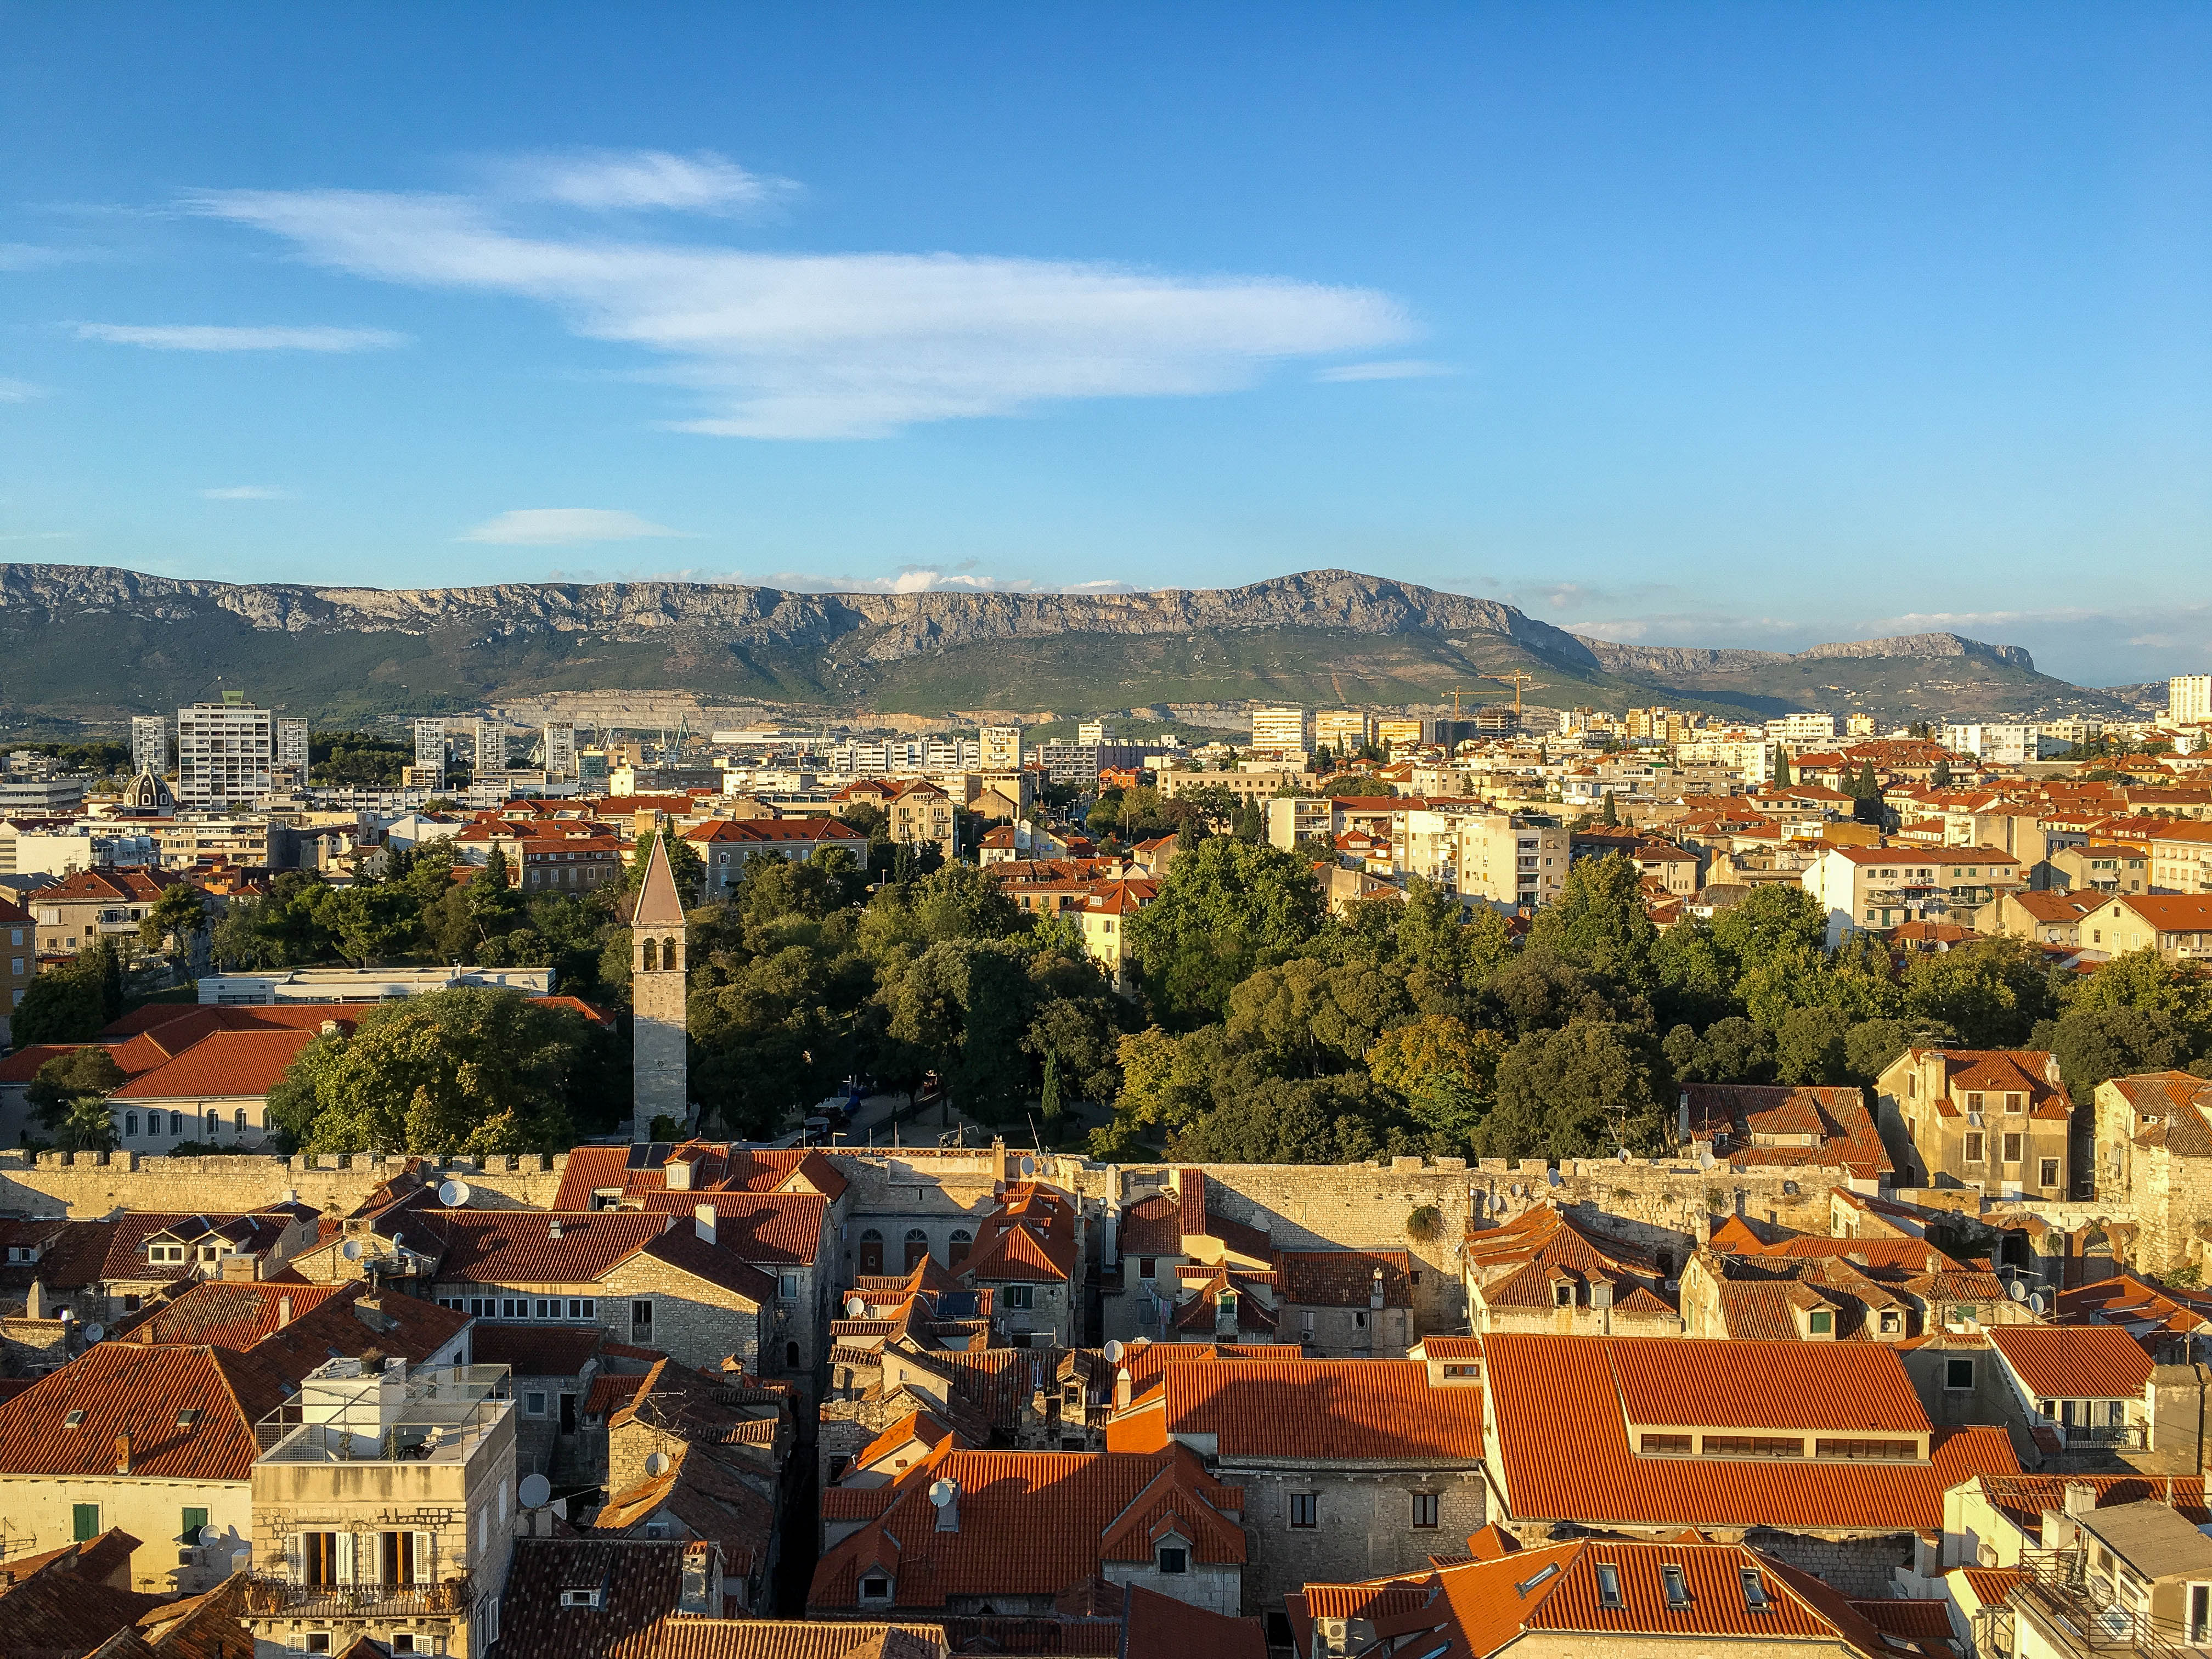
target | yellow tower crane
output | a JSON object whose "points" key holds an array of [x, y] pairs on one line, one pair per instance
{"points": [[1520, 683]]}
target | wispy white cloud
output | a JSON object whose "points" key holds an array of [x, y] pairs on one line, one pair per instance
{"points": [[41, 536], [561, 527], [248, 493], [19, 392], [1401, 368], [201, 336], [29, 256], [702, 182], [842, 345]]}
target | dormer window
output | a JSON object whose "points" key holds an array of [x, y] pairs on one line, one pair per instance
{"points": [[1563, 1295], [875, 1587], [580, 1598], [1822, 1324], [165, 1253], [1175, 1558]]}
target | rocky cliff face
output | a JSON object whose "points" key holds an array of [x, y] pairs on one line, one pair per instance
{"points": [[1694, 660], [888, 627]]}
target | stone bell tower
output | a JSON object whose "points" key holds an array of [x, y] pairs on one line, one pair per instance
{"points": [[657, 976]]}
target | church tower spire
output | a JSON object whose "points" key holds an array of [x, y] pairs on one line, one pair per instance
{"points": [[657, 963]]}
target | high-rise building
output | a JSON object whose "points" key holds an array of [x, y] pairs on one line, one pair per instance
{"points": [[559, 753], [1342, 730], [2188, 698], [1002, 748], [1858, 725], [1091, 732], [1397, 731], [292, 752], [1279, 731], [226, 755], [491, 746], [592, 770], [430, 753], [149, 745]]}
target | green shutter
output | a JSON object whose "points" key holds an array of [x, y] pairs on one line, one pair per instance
{"points": [[194, 1521], [84, 1522]]}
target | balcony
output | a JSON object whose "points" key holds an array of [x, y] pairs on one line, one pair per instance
{"points": [[274, 1596], [2079, 1610], [344, 1413]]}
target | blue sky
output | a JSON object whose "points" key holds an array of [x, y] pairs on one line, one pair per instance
{"points": [[1710, 325]]}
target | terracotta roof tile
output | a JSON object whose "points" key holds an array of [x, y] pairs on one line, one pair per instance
{"points": [[1341, 1410], [1344, 1278], [1551, 1391], [124, 1386], [2073, 1362], [537, 1351]]}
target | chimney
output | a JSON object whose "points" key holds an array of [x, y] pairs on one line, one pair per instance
{"points": [[34, 1301], [283, 1311], [1935, 1263], [1120, 1387], [330, 1028], [702, 1217], [553, 1227], [2081, 1498], [123, 1453]]}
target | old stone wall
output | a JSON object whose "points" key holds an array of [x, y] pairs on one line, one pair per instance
{"points": [[1364, 1525], [89, 1185], [1857, 1567]]}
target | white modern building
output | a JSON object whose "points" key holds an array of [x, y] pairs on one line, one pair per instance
{"points": [[1002, 748], [226, 755], [430, 753], [558, 749], [149, 745], [1802, 728], [2188, 699], [292, 751]]}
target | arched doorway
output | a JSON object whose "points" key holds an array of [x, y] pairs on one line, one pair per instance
{"points": [[963, 1242], [871, 1253], [917, 1248]]}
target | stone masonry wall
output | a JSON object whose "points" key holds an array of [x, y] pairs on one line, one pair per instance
{"points": [[88, 1185], [1364, 1525]]}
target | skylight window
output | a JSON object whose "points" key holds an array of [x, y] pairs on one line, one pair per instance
{"points": [[1608, 1584], [1677, 1587], [189, 1418], [1754, 1591], [74, 1420]]}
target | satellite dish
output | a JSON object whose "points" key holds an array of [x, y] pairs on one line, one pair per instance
{"points": [[1028, 1166], [1114, 1352], [94, 1333], [2016, 1291], [2038, 1303], [453, 1193], [350, 1249], [208, 1536], [535, 1492], [942, 1492], [657, 1464], [855, 1308]]}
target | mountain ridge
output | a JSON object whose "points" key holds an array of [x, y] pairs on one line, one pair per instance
{"points": [[97, 640]]}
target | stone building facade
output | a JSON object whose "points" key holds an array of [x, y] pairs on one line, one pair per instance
{"points": [[661, 1068], [2154, 1161]]}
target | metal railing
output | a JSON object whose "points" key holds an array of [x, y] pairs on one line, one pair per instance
{"points": [[2082, 1610], [270, 1595], [430, 1416]]}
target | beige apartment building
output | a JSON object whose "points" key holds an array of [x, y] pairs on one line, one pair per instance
{"points": [[2178, 928], [1342, 730], [1993, 1118], [385, 1506], [1878, 888]]}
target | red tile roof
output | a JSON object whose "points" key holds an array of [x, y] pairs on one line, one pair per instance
{"points": [[783, 1228], [716, 1168], [1161, 1627], [1735, 1117], [537, 1351], [1364, 1410], [1344, 1278], [2073, 1362], [516, 1247], [1031, 1523], [232, 1313], [122, 1387], [223, 1064], [1551, 1392], [1479, 1608]]}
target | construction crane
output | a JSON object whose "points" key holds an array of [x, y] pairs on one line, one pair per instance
{"points": [[1519, 681]]}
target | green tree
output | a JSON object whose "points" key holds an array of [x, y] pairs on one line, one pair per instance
{"points": [[1580, 1091], [63, 1082], [88, 1128], [1224, 902], [467, 1071], [2094, 1044], [1324, 1120], [1782, 778], [371, 922], [1599, 922], [173, 921], [1941, 777], [1992, 992], [62, 1005]]}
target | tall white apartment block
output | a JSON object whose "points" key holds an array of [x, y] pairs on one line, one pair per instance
{"points": [[430, 750], [1801, 728], [226, 755], [1280, 729], [491, 746], [292, 752], [560, 749], [2188, 698], [1342, 730], [149, 745], [1090, 733], [1002, 748]]}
